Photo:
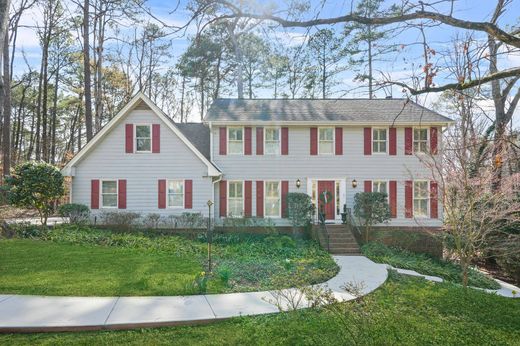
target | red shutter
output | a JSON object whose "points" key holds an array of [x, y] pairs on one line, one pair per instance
{"points": [[433, 140], [339, 140], [188, 194], [259, 141], [223, 198], [223, 141], [392, 198], [129, 138], [408, 139], [368, 141], [162, 194], [248, 195], [121, 194], [94, 194], [156, 138], [285, 191], [259, 198], [408, 199], [285, 141], [434, 200], [314, 141], [368, 185], [248, 146], [393, 141]]}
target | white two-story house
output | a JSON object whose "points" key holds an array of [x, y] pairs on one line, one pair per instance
{"points": [[248, 154]]}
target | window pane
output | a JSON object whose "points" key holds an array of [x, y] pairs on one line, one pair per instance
{"points": [[144, 144], [272, 207], [326, 134], [382, 147], [382, 135], [272, 147], [235, 147], [326, 147], [109, 187], [110, 200], [272, 134], [235, 189], [272, 189], [235, 207], [176, 200], [142, 131], [235, 134], [175, 186]]}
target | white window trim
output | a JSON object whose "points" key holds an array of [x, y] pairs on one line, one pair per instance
{"points": [[427, 140], [333, 140], [101, 193], [243, 198], [243, 139], [427, 216], [135, 139], [386, 141], [279, 139], [279, 216], [382, 181], [183, 194]]}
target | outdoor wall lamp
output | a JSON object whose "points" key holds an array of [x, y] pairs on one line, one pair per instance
{"points": [[298, 183], [354, 183]]}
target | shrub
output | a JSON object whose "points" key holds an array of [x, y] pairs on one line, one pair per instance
{"points": [[236, 224], [35, 185], [77, 213], [372, 208], [510, 264], [224, 273], [200, 282], [299, 209], [152, 220], [119, 220]]}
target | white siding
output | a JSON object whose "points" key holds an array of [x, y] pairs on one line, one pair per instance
{"points": [[142, 171], [353, 164]]}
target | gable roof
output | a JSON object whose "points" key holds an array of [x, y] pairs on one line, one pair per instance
{"points": [[141, 101], [370, 111], [198, 134]]}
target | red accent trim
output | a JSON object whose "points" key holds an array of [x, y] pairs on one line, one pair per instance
{"points": [[367, 141], [339, 141], [285, 141], [285, 191], [121, 194], [156, 138], [392, 198], [248, 198], [162, 194], [223, 198], [188, 194], [259, 141], [408, 139], [223, 141], [392, 150], [368, 185], [259, 198], [94, 194], [408, 199], [129, 138], [314, 141], [434, 200], [433, 140], [247, 137]]}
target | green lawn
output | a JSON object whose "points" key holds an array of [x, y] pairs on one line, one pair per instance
{"points": [[404, 311]]}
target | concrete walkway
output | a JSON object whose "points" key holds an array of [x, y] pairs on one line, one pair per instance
{"points": [[39, 313]]}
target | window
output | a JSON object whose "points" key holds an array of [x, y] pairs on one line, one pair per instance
{"points": [[420, 140], [236, 198], [379, 141], [235, 140], [326, 140], [272, 205], [338, 206], [420, 198], [272, 141], [143, 138], [109, 193], [176, 193], [379, 186]]}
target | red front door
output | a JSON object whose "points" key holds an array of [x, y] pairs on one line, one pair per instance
{"points": [[326, 200]]}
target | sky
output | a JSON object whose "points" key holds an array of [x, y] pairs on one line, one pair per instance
{"points": [[395, 65]]}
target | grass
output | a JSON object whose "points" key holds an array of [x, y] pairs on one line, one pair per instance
{"points": [[83, 261], [404, 311], [425, 264]]}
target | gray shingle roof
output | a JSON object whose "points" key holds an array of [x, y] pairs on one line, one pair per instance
{"points": [[198, 135], [348, 110]]}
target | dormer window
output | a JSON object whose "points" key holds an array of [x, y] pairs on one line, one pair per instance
{"points": [[326, 140], [235, 140], [143, 138], [272, 141]]}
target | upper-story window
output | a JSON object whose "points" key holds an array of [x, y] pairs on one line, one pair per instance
{"points": [[109, 194], [272, 140], [420, 140], [236, 198], [378, 140], [420, 198], [176, 193], [235, 140], [326, 140], [272, 205], [143, 138], [379, 186]]}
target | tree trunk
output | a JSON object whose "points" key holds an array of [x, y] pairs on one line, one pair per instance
{"points": [[238, 54], [54, 114], [86, 71], [6, 129], [369, 41]]}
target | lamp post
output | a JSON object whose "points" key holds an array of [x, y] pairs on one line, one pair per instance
{"points": [[209, 234]]}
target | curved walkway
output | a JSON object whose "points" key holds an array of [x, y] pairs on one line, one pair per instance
{"points": [[44, 314]]}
